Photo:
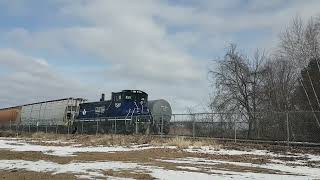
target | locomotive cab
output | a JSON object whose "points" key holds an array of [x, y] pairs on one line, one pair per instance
{"points": [[133, 104], [130, 95]]}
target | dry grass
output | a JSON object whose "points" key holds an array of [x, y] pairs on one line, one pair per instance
{"points": [[111, 139], [48, 136], [8, 133], [180, 142], [31, 175], [35, 135], [116, 139], [128, 174]]}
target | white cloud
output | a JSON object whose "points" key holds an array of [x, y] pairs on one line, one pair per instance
{"points": [[30, 79], [157, 46]]}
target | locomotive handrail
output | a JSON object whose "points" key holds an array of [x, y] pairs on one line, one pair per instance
{"points": [[125, 119], [108, 106], [132, 112], [128, 114]]}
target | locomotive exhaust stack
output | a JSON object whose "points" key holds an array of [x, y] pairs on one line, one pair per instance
{"points": [[102, 97]]}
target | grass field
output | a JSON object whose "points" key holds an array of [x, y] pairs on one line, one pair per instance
{"points": [[51, 156]]}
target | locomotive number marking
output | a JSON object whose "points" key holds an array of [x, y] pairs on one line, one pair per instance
{"points": [[164, 108], [99, 110]]}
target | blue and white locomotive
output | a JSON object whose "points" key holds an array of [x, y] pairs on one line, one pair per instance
{"points": [[126, 112], [122, 104]]}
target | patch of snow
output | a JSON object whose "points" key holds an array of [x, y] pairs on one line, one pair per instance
{"points": [[93, 169], [298, 170], [217, 174], [210, 150], [88, 169], [189, 168], [64, 150], [312, 157]]}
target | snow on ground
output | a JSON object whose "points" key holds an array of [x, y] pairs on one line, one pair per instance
{"points": [[211, 150], [69, 150], [94, 170], [90, 169], [16, 144], [187, 168], [219, 174], [297, 170]]}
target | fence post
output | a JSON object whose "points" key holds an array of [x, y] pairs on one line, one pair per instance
{"points": [[193, 125], [56, 128], [29, 127], [235, 131], [174, 125], [46, 128], [97, 128], [115, 126], [258, 125], [161, 133], [288, 133], [81, 127], [136, 126], [10, 126]]}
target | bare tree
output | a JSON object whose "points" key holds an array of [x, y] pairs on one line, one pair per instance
{"points": [[236, 81], [279, 85], [300, 44]]}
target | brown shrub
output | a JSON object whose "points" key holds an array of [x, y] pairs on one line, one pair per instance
{"points": [[7, 134]]}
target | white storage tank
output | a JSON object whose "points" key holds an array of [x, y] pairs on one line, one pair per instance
{"points": [[161, 111]]}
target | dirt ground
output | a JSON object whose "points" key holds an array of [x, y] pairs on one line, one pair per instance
{"points": [[161, 156], [31, 175], [145, 157]]}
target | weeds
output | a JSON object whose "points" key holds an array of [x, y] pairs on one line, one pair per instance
{"points": [[48, 136], [116, 139], [180, 142]]}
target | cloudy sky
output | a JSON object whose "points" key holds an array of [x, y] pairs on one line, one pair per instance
{"points": [[81, 48]]}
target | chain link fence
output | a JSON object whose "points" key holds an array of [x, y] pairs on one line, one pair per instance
{"points": [[287, 127], [264, 126]]}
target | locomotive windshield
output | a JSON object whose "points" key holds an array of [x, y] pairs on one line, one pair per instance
{"points": [[133, 95]]}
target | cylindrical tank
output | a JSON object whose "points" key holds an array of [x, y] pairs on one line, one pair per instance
{"points": [[161, 112], [54, 112], [10, 115], [160, 107]]}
